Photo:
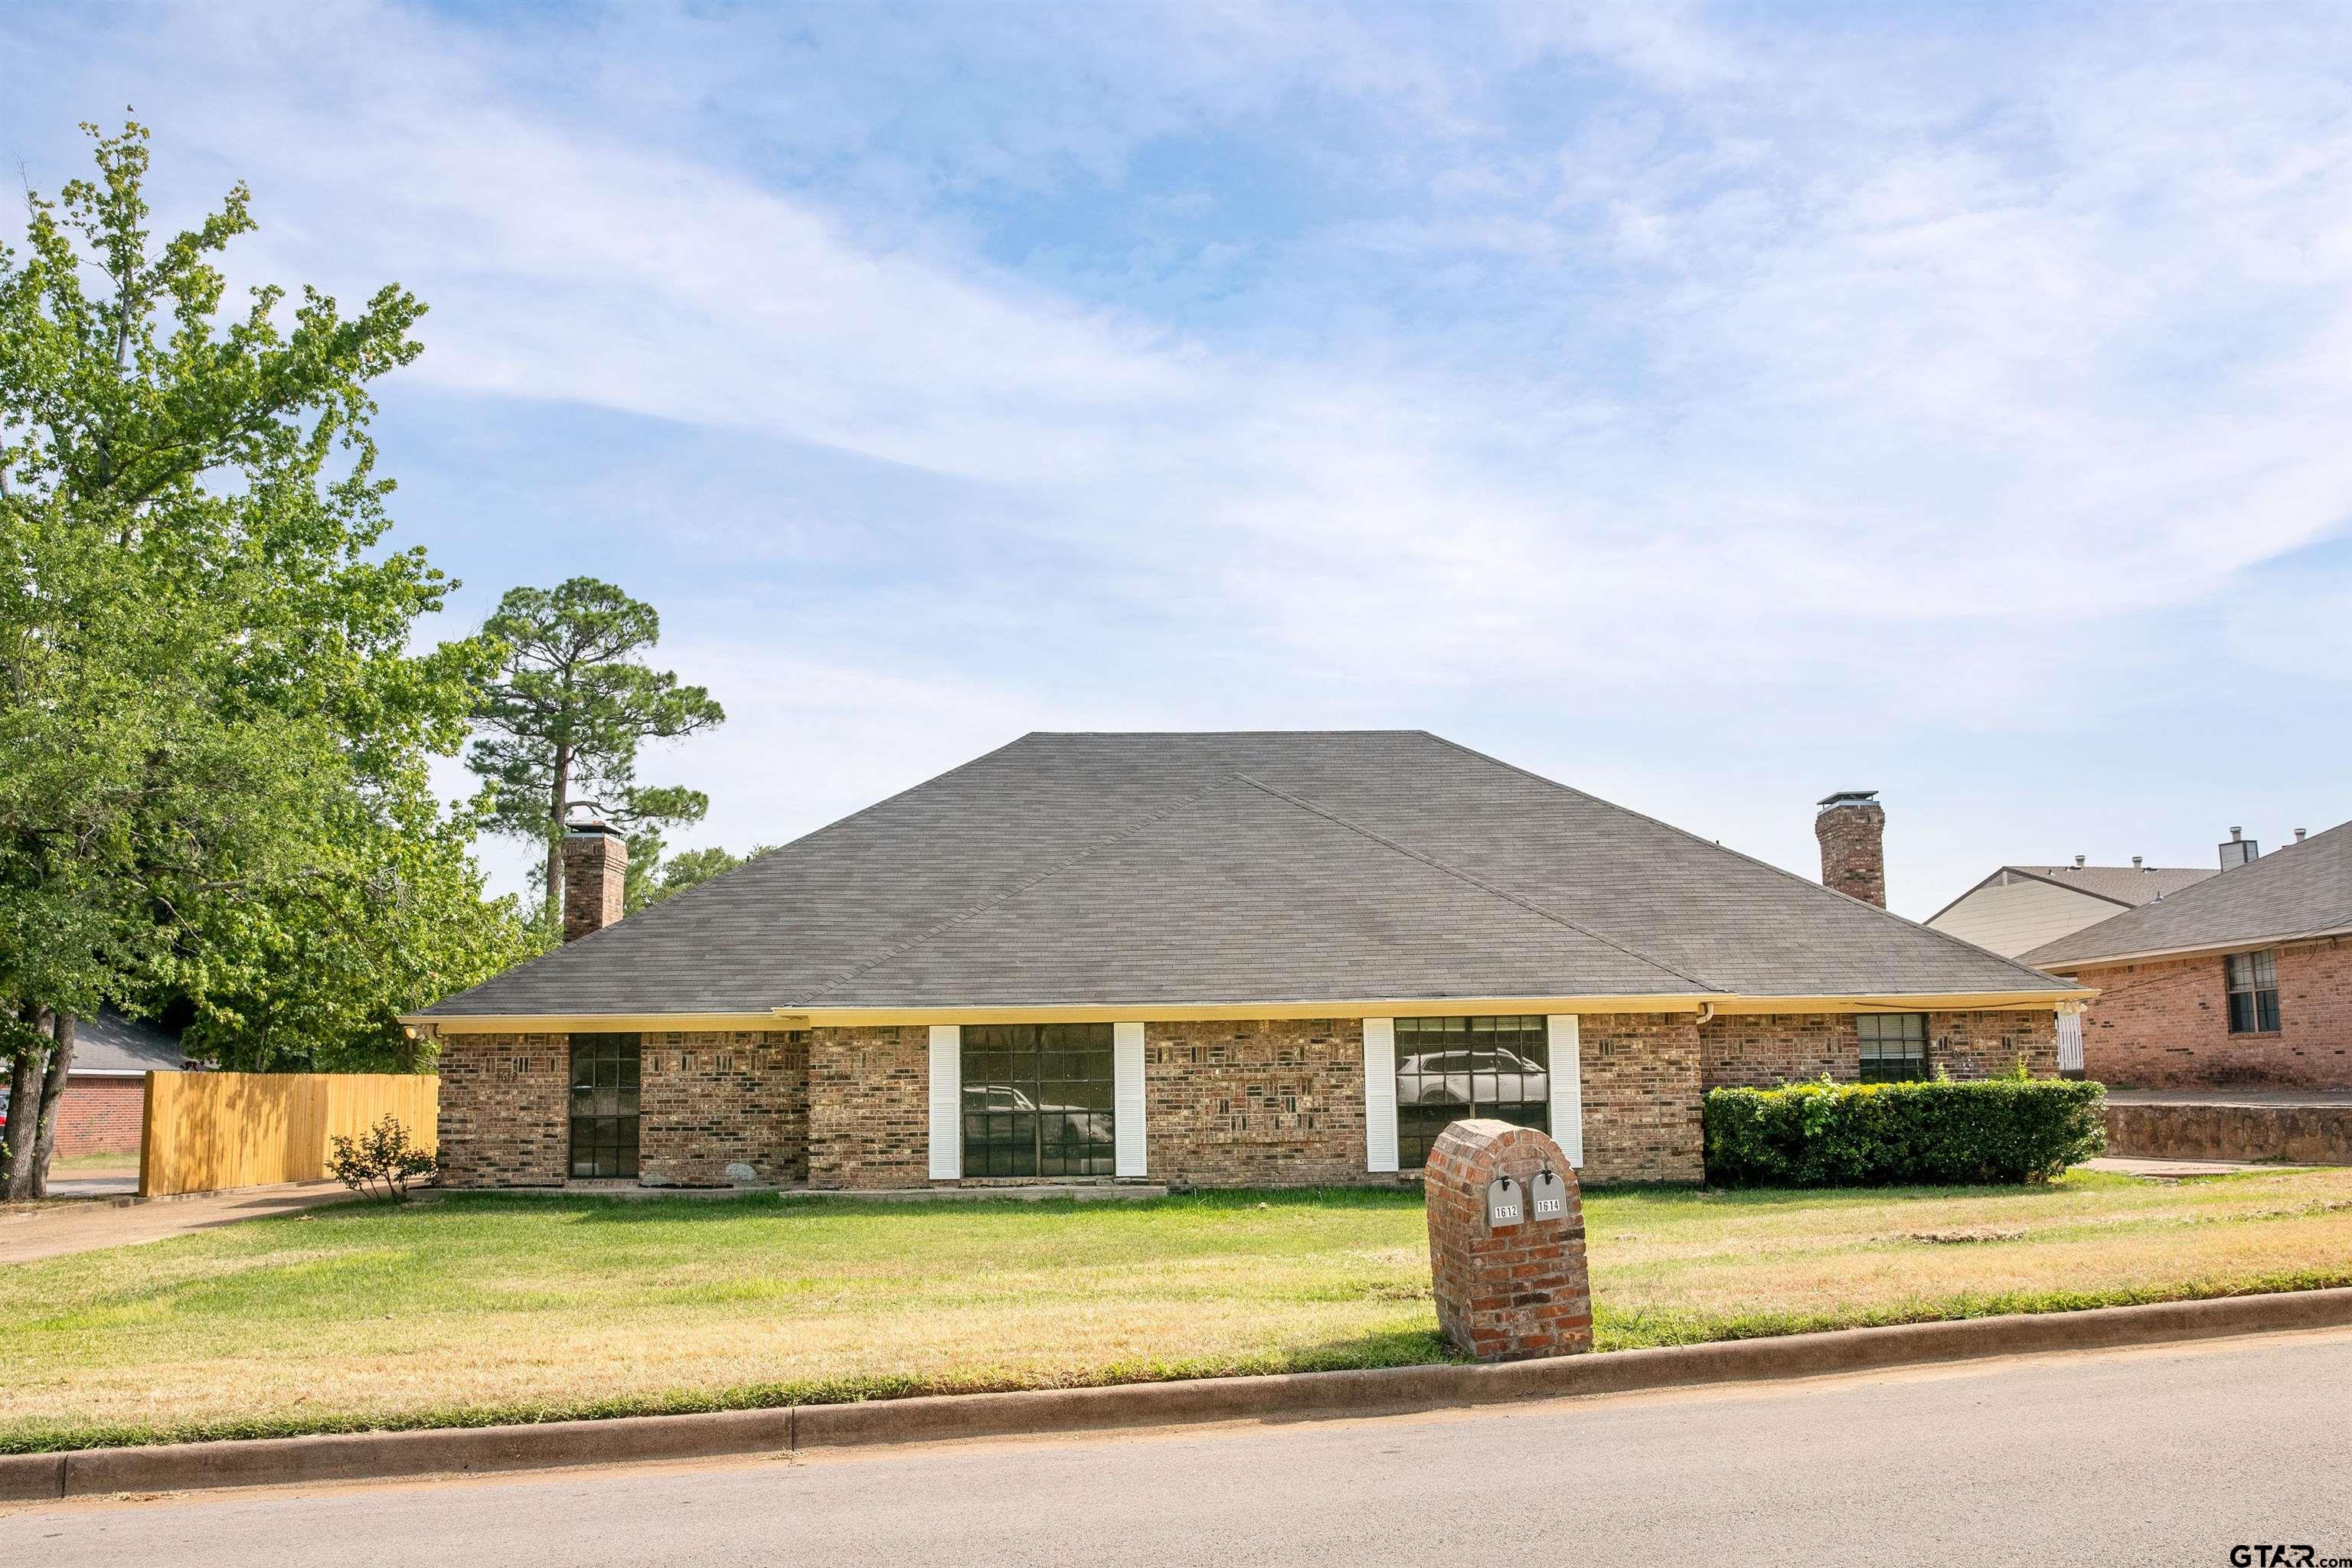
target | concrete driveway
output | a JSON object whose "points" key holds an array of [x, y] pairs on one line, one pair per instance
{"points": [[2170, 1454], [64, 1224]]}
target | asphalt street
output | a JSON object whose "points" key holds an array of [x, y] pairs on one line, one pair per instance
{"points": [[2165, 1456]]}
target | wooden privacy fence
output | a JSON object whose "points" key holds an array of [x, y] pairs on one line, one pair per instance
{"points": [[208, 1131]]}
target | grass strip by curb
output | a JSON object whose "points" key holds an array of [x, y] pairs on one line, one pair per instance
{"points": [[1617, 1331], [1063, 1412]]}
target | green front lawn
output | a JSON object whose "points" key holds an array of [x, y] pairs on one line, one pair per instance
{"points": [[482, 1309]]}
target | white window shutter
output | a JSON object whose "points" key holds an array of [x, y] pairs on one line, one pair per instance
{"points": [[1379, 1095], [947, 1101], [1126, 1099], [1567, 1087]]}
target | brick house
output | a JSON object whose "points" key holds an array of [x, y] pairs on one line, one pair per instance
{"points": [[104, 1108], [1207, 959], [2242, 980]]}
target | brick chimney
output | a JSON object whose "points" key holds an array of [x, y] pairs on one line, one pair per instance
{"points": [[595, 864], [1852, 826]]}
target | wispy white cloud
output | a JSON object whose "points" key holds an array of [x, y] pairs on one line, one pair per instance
{"points": [[1867, 376]]}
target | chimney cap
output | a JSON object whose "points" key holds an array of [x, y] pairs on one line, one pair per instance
{"points": [[2298, 835], [2237, 833], [2078, 861], [592, 822], [2139, 864], [1849, 797]]}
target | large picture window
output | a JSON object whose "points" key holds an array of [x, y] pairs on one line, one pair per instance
{"points": [[2253, 992], [1451, 1069], [604, 1078], [1037, 1100], [1894, 1046]]}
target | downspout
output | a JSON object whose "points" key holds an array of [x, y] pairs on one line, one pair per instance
{"points": [[1705, 1012]]}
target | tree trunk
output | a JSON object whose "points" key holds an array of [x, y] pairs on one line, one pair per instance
{"points": [[23, 1118], [562, 773], [53, 1090]]}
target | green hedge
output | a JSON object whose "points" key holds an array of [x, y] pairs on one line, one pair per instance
{"points": [[1870, 1135]]}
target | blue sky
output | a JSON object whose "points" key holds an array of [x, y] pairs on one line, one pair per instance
{"points": [[1707, 407]]}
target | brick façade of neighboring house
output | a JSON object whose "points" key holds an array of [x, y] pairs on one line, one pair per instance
{"points": [[2243, 980], [1204, 959], [104, 1108]]}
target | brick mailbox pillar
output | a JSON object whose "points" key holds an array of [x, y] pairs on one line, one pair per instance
{"points": [[1516, 1290]]}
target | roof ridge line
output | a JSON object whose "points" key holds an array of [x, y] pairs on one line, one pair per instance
{"points": [[1720, 847], [920, 937], [1476, 881]]}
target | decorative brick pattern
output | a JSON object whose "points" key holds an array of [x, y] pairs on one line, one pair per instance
{"points": [[2166, 1023], [1640, 1073], [1765, 1050], [1274, 1102], [1985, 1045], [1853, 849], [100, 1116], [505, 1110], [868, 1107], [715, 1106], [1505, 1292]]}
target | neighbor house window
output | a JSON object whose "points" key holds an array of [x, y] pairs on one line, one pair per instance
{"points": [[2253, 992], [1037, 1100], [604, 1069], [1450, 1070], [1894, 1046]]}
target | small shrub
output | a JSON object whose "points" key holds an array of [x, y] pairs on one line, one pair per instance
{"points": [[382, 1163], [1936, 1133]]}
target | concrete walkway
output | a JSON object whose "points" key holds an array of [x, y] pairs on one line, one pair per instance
{"points": [[2227, 1444], [2173, 1169], [65, 1225]]}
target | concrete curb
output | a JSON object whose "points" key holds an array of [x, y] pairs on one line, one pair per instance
{"points": [[365, 1455]]}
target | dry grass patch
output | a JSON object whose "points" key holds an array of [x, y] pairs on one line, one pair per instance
{"points": [[482, 1309]]}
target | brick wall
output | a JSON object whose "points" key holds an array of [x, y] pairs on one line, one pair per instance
{"points": [[2166, 1023], [1271, 1102], [1766, 1049], [505, 1110], [868, 1107], [1760, 1051], [1241, 1103], [1642, 1098], [99, 1116], [711, 1101], [1985, 1045]]}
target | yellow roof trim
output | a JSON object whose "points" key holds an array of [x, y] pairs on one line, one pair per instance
{"points": [[1176, 1012]]}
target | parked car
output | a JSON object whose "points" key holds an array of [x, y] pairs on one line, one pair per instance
{"points": [[1467, 1077], [1060, 1124]]}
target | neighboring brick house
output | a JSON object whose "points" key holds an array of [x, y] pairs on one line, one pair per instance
{"points": [[2020, 908], [2242, 980], [103, 1107], [1202, 960]]}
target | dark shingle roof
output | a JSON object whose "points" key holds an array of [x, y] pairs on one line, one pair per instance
{"points": [[2304, 886], [1233, 868], [112, 1043]]}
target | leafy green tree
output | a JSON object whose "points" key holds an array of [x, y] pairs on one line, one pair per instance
{"points": [[216, 733], [653, 875], [567, 713]]}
